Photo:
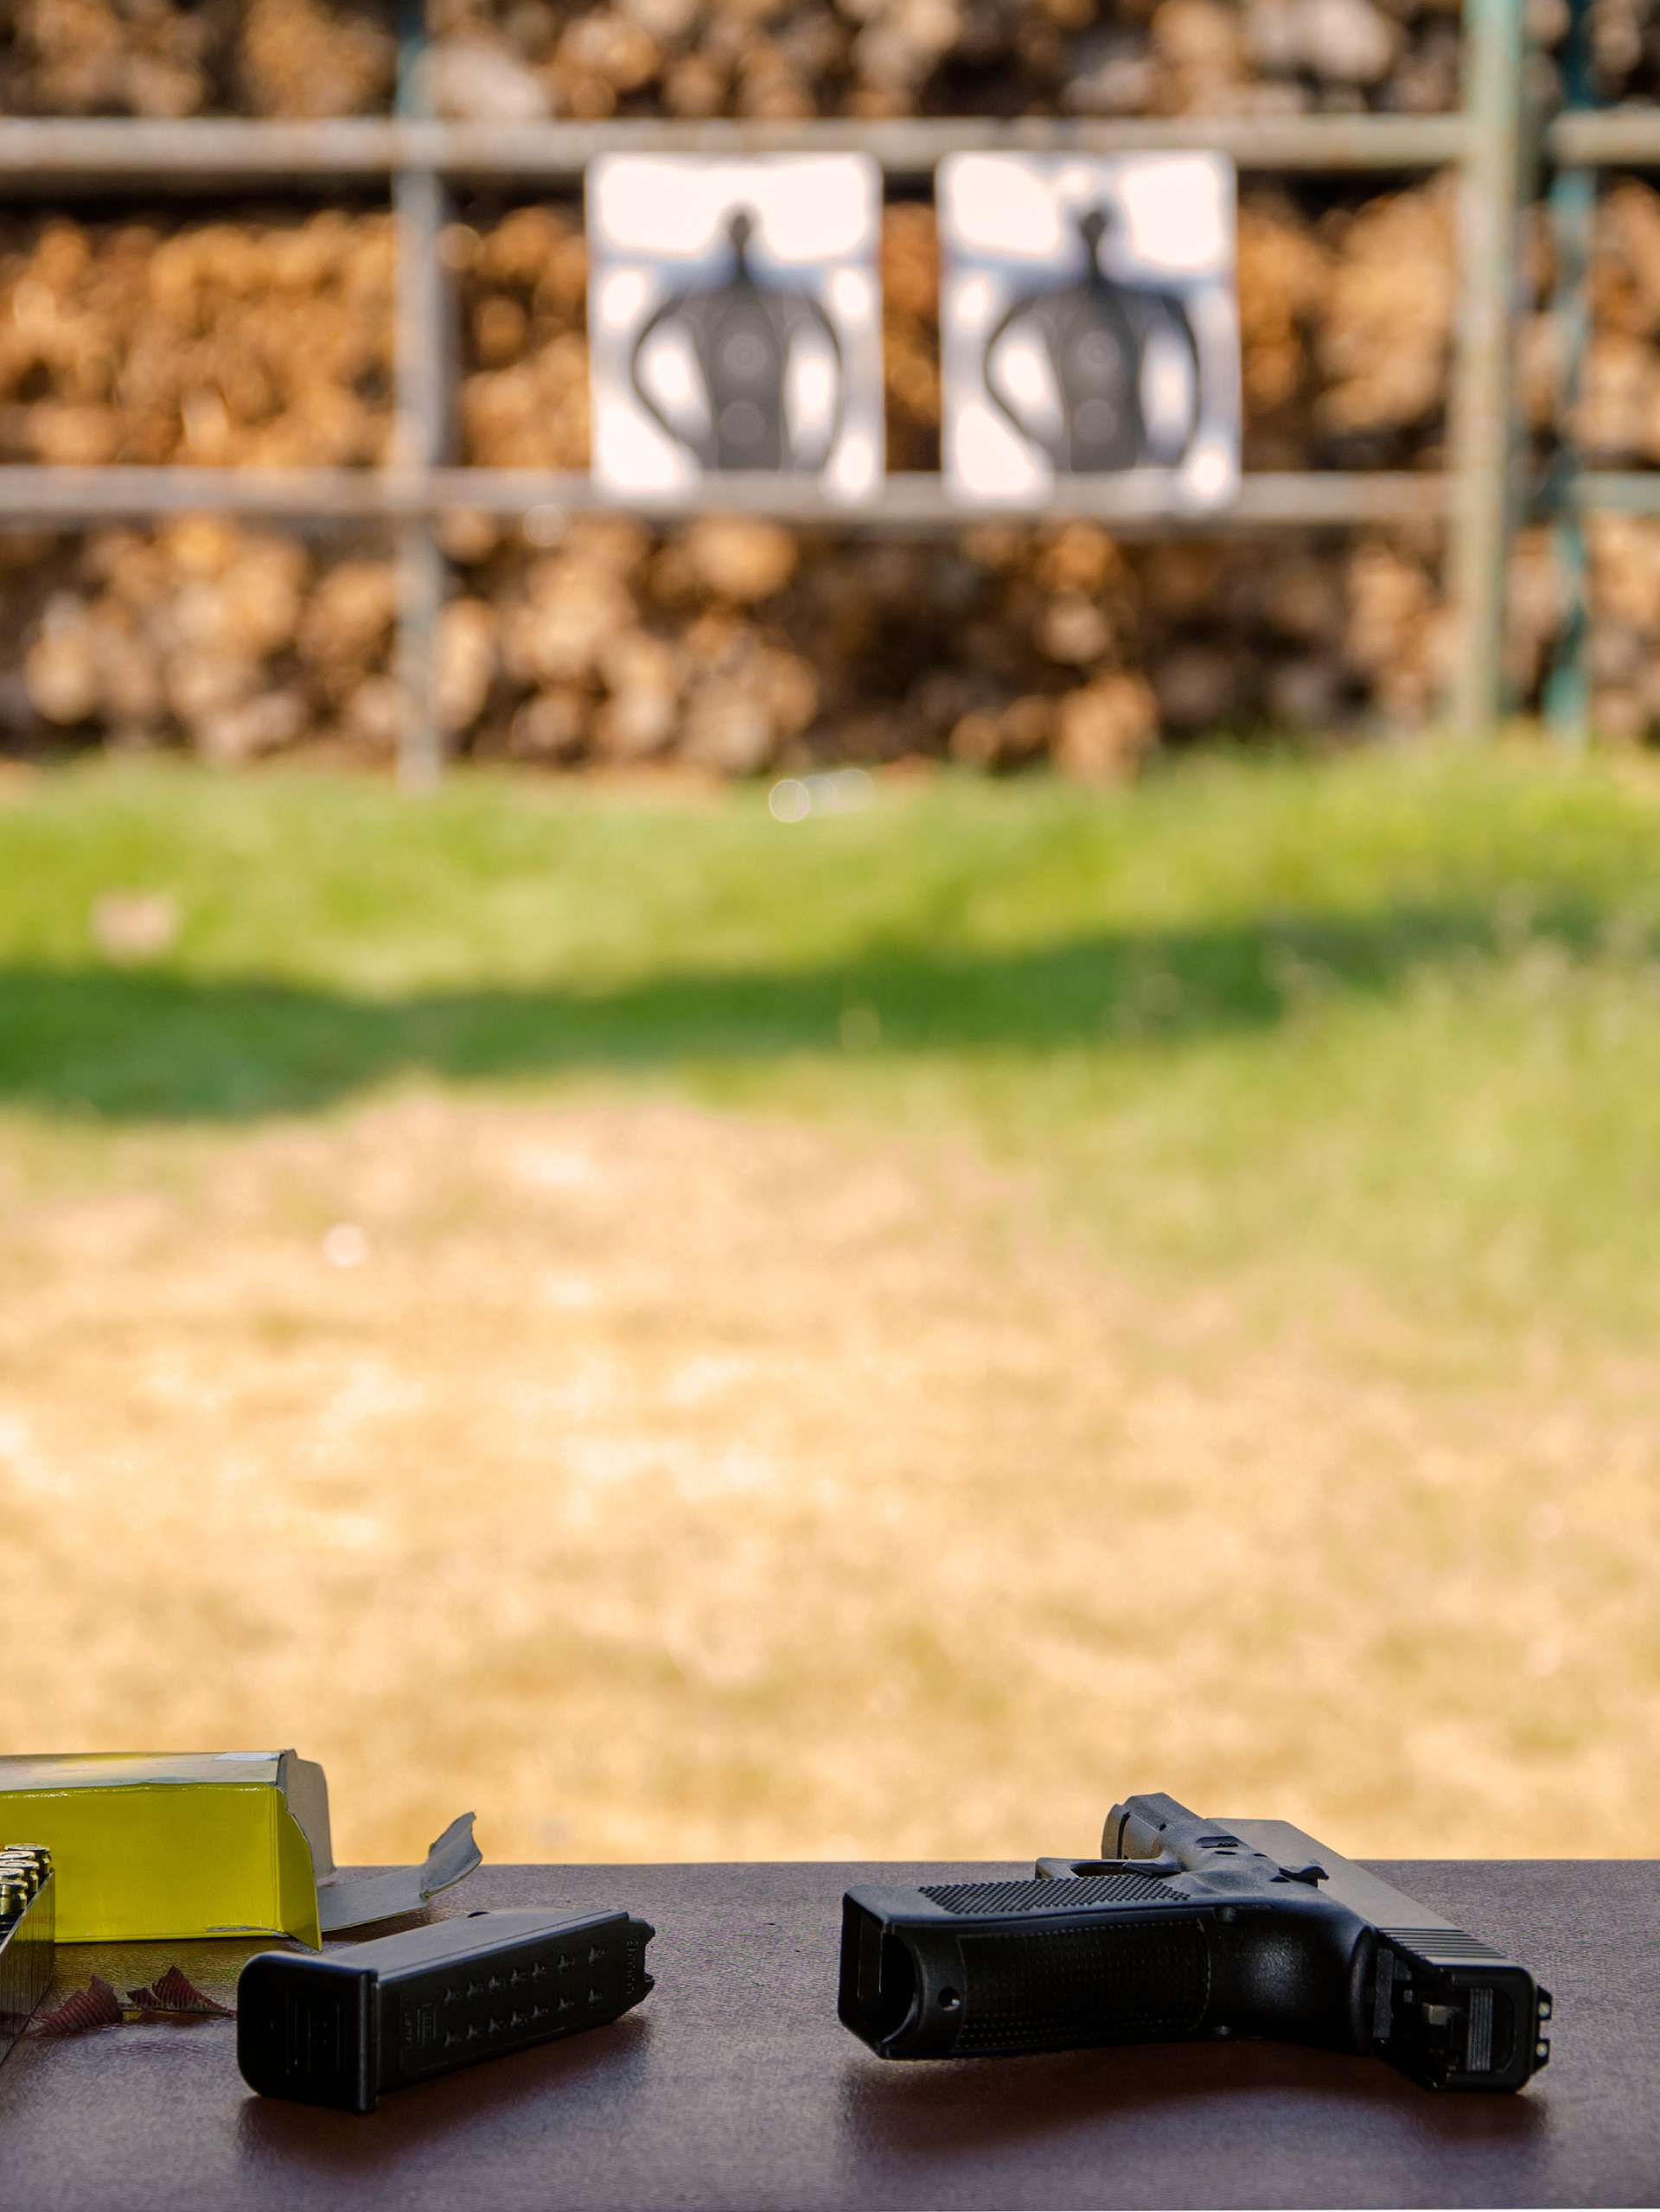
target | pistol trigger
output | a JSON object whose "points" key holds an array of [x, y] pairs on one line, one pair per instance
{"points": [[1311, 1872]]}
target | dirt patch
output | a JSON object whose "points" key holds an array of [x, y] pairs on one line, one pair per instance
{"points": [[668, 1485]]}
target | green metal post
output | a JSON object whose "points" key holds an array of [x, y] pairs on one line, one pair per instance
{"points": [[424, 343], [1572, 206], [1483, 415]]}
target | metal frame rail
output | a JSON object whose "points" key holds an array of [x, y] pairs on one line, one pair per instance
{"points": [[1496, 141]]}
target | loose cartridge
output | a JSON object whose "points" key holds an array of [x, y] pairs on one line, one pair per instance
{"points": [[28, 1914], [338, 2027]]}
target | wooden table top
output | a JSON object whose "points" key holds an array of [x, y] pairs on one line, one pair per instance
{"points": [[734, 2085]]}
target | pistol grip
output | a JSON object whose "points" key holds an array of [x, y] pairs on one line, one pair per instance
{"points": [[979, 1969]]}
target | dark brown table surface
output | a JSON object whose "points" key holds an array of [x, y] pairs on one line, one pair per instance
{"points": [[733, 2085]]}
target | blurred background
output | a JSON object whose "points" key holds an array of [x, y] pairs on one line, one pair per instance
{"points": [[954, 1171]]}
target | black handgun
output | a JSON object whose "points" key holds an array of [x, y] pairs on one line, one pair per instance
{"points": [[1188, 1930]]}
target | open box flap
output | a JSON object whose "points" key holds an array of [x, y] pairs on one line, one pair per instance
{"points": [[351, 1900]]}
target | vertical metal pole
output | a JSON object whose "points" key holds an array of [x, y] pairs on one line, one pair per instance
{"points": [[421, 590], [425, 349], [1482, 426], [1572, 222]]}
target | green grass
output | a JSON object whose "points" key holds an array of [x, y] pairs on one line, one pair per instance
{"points": [[1391, 1022]]}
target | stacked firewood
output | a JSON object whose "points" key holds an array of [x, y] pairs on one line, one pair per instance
{"points": [[500, 59], [522, 283], [518, 59], [745, 647], [1606, 404], [1346, 314], [237, 641], [741, 647], [169, 58], [263, 340], [264, 337], [910, 335]]}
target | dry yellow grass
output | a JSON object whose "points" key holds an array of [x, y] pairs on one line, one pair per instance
{"points": [[669, 1484]]}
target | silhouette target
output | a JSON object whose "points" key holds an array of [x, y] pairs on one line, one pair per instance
{"points": [[745, 332], [1095, 332]]}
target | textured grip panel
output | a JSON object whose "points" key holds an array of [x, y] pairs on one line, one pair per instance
{"points": [[1137, 1980], [1063, 1896], [1439, 1943]]}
